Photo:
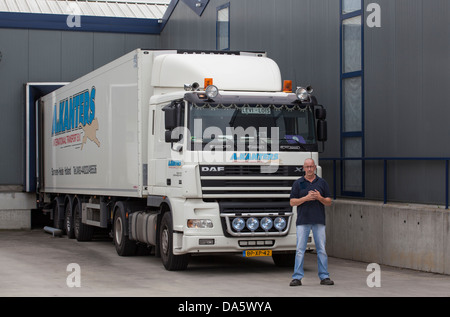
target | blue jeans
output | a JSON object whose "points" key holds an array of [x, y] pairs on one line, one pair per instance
{"points": [[319, 239]]}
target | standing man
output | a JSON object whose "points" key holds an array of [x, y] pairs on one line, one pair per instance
{"points": [[310, 194]]}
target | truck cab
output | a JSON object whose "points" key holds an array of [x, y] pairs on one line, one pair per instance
{"points": [[226, 153]]}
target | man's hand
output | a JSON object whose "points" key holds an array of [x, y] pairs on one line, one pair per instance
{"points": [[312, 195], [317, 196]]}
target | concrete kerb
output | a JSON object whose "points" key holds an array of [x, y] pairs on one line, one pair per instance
{"points": [[401, 235], [15, 210]]}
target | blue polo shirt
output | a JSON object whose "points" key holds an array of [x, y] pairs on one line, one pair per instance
{"points": [[310, 212]]}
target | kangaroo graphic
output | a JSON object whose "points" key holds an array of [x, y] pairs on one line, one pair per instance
{"points": [[90, 132]]}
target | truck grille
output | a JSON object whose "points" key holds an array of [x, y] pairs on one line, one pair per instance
{"points": [[247, 181]]}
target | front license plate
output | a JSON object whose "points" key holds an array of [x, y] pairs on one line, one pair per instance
{"points": [[252, 253]]}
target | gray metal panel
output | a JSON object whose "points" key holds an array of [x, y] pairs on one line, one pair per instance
{"points": [[108, 47], [44, 56], [436, 75], [406, 76], [380, 77], [133, 41], [77, 54], [13, 69]]}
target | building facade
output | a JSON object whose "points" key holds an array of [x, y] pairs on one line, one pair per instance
{"points": [[379, 67]]}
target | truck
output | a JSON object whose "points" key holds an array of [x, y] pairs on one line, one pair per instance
{"points": [[181, 152]]}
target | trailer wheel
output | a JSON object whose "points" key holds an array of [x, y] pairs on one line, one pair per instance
{"points": [[58, 213], [68, 220], [124, 246], [82, 231], [171, 262]]}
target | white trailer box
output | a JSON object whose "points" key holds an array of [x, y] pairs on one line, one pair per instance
{"points": [[95, 131]]}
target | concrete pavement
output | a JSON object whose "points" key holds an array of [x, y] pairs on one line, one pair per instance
{"points": [[34, 263]]}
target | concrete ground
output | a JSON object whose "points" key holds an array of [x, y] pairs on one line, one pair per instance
{"points": [[34, 263]]}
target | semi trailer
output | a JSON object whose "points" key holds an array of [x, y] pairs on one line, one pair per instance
{"points": [[185, 152]]}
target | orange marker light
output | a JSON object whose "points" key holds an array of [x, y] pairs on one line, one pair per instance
{"points": [[287, 86], [208, 82]]}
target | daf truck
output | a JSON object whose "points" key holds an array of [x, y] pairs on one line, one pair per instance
{"points": [[185, 152]]}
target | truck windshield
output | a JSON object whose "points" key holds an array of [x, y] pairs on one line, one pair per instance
{"points": [[252, 127]]}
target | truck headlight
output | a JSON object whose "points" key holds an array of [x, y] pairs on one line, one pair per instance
{"points": [[266, 223], [252, 223], [238, 224], [199, 223], [280, 223], [211, 91], [302, 94]]}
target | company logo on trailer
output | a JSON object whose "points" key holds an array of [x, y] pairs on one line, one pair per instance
{"points": [[73, 114]]}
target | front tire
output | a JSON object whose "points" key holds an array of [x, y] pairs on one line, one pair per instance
{"points": [[170, 261]]}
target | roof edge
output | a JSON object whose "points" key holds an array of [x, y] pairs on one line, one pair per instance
{"points": [[82, 23]]}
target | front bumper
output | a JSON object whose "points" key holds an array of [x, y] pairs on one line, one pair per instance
{"points": [[217, 239], [184, 244]]}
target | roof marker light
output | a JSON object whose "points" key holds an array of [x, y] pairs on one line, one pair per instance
{"points": [[208, 82], [287, 86]]}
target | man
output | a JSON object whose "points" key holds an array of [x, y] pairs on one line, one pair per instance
{"points": [[310, 194]]}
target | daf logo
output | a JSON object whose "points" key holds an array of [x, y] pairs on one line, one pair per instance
{"points": [[213, 168], [299, 170]]}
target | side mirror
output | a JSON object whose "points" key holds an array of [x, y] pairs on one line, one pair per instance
{"points": [[172, 120], [321, 113], [171, 116], [322, 131]]}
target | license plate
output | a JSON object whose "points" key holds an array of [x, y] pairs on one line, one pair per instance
{"points": [[253, 253]]}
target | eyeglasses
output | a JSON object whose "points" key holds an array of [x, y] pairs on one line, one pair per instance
{"points": [[305, 167]]}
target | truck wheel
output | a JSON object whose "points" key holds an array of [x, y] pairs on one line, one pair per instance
{"points": [[58, 214], [124, 246], [171, 262], [82, 231], [68, 221]]}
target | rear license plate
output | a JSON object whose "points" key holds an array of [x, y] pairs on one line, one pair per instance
{"points": [[253, 253]]}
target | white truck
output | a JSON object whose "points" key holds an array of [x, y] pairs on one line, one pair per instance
{"points": [[186, 152]]}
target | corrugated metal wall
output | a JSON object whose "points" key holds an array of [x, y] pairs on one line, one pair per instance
{"points": [[47, 56], [407, 105]]}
